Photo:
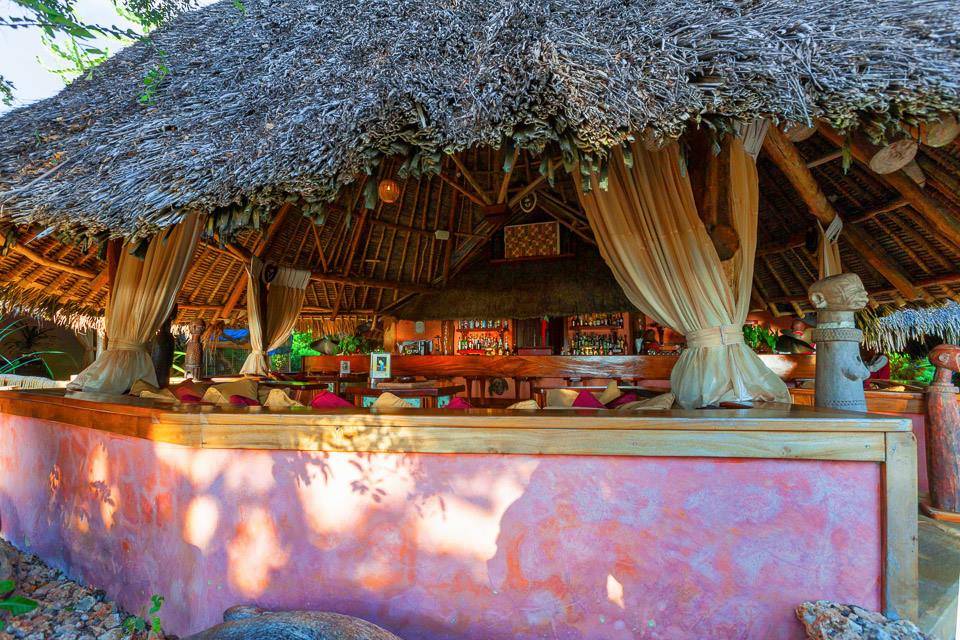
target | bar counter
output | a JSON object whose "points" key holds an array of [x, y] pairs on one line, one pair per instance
{"points": [[470, 524]]}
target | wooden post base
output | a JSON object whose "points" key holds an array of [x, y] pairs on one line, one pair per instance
{"points": [[939, 514]]}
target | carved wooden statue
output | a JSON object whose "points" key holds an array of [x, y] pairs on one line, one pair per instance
{"points": [[943, 431], [840, 371], [193, 358]]}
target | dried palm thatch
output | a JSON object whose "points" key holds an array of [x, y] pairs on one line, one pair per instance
{"points": [[290, 100], [892, 332], [530, 289]]}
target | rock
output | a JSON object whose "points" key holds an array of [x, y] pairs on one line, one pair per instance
{"points": [[8, 569], [825, 620], [243, 622], [84, 604]]}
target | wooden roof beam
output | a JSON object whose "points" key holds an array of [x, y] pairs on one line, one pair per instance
{"points": [[261, 247], [35, 257], [785, 155], [487, 200], [861, 148]]}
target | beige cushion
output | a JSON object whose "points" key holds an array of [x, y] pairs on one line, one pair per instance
{"points": [[142, 385], [525, 404], [280, 399], [560, 397], [220, 393], [163, 395], [662, 402], [611, 393], [388, 400]]}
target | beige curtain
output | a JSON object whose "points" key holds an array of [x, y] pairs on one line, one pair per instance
{"points": [[143, 296], [828, 252], [271, 326], [649, 233]]}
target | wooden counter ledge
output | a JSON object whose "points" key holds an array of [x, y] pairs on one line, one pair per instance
{"points": [[770, 431]]}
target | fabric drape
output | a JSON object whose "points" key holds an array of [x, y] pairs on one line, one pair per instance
{"points": [[648, 231], [143, 296], [828, 252], [271, 317]]}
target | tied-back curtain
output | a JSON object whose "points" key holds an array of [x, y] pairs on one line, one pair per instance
{"points": [[828, 253], [648, 231], [271, 318], [143, 296]]}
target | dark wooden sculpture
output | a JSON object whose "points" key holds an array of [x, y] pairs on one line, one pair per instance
{"points": [[943, 434], [163, 348], [193, 358]]}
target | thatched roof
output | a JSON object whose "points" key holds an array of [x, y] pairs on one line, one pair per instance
{"points": [[296, 99], [268, 114], [524, 289], [894, 331]]}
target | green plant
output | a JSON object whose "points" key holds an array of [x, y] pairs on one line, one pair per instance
{"points": [[757, 336], [149, 623], [27, 337], [153, 79], [907, 368], [15, 605]]}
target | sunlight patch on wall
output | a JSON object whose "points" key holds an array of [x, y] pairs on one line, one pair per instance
{"points": [[254, 552], [202, 518]]}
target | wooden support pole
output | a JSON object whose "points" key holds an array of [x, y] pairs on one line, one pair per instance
{"points": [[785, 155]]}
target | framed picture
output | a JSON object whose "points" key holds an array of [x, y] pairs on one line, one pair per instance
{"points": [[379, 365], [344, 367]]}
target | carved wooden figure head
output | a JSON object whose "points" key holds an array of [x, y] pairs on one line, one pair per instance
{"points": [[946, 356], [843, 292]]}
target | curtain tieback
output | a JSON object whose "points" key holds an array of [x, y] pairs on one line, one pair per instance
{"points": [[722, 336], [125, 345]]}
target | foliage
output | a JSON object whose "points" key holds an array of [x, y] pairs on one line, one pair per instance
{"points": [[147, 625], [757, 336], [300, 345], [30, 336], [15, 605], [907, 368], [153, 79], [74, 40]]}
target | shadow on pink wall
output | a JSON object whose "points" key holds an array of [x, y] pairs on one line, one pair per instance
{"points": [[447, 546]]}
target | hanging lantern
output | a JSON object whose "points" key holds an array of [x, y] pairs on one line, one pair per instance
{"points": [[389, 191]]}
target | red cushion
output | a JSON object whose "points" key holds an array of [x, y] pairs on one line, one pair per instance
{"points": [[586, 400], [458, 403], [187, 387], [189, 398], [630, 396], [328, 400], [243, 401]]}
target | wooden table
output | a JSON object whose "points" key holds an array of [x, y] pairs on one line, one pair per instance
{"points": [[435, 397], [303, 391]]}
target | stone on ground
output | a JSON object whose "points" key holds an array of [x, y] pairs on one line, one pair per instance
{"points": [[825, 620], [67, 610]]}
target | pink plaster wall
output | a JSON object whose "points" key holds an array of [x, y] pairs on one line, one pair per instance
{"points": [[484, 547]]}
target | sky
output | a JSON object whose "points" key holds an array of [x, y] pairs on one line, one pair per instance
{"points": [[27, 63]]}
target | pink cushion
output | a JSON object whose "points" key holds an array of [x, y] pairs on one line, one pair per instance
{"points": [[586, 400], [243, 401], [328, 400], [458, 403], [189, 398], [187, 388], [630, 396]]}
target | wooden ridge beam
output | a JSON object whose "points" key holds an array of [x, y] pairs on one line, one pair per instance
{"points": [[862, 150], [787, 158], [357, 281]]}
